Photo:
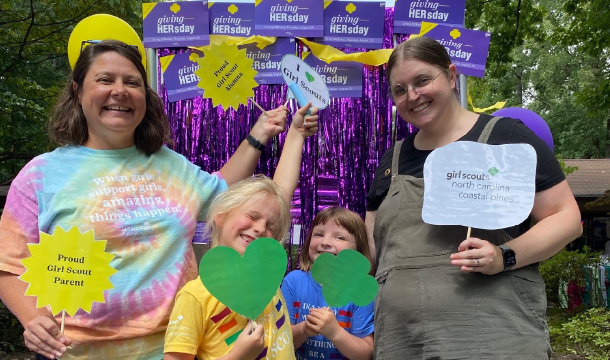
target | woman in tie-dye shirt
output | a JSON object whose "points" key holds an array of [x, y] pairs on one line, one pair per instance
{"points": [[114, 176]]}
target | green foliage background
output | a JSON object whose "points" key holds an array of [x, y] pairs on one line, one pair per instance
{"points": [[586, 334], [566, 266], [552, 57]]}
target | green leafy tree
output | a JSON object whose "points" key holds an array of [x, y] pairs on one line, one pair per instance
{"points": [[511, 23], [588, 29], [553, 78]]}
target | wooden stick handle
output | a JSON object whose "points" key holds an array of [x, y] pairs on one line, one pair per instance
{"points": [[258, 106], [63, 321]]}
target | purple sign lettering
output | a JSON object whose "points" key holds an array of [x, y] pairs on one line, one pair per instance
{"points": [[467, 48], [177, 24], [354, 24], [233, 19], [267, 61], [408, 14], [179, 75], [343, 78], [290, 19]]}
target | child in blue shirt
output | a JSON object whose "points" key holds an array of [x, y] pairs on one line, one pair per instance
{"points": [[320, 332]]}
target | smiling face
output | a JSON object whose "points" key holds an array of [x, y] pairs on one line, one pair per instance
{"points": [[330, 237], [422, 110], [113, 99], [257, 217]]}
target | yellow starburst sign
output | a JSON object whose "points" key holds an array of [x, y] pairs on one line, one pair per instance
{"points": [[68, 270], [226, 75]]}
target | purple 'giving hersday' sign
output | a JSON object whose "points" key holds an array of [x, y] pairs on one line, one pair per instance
{"points": [[179, 75], [343, 78], [177, 24], [408, 14], [353, 24], [302, 18], [467, 48], [233, 19], [267, 61]]}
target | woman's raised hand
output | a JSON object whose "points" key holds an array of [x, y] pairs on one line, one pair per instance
{"points": [[270, 124]]}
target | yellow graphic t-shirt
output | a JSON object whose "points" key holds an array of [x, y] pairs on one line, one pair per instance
{"points": [[203, 326]]}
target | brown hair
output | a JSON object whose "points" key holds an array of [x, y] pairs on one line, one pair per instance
{"points": [[423, 49], [68, 125], [351, 221]]}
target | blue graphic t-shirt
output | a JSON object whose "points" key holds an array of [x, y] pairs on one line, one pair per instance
{"points": [[302, 293]]}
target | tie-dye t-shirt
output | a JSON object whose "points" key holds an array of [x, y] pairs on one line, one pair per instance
{"points": [[201, 325], [146, 207]]}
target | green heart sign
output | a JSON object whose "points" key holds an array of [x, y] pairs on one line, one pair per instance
{"points": [[309, 77], [244, 284], [344, 278]]}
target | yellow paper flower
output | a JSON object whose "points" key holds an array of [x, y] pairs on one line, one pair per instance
{"points": [[226, 75], [68, 270]]}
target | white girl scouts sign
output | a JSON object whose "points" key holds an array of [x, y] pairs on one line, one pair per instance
{"points": [[312, 86], [479, 185]]}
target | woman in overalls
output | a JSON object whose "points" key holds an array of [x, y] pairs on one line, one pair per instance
{"points": [[442, 296]]}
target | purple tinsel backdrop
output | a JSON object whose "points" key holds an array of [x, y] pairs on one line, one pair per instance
{"points": [[338, 164]]}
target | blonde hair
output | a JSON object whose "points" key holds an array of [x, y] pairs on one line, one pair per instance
{"points": [[241, 192], [351, 221]]}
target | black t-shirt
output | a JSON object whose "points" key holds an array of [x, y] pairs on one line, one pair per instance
{"points": [[506, 131]]}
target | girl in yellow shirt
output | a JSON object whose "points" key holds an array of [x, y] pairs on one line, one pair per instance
{"points": [[258, 207]]}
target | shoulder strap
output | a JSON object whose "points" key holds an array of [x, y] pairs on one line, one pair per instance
{"points": [[487, 130], [395, 157]]}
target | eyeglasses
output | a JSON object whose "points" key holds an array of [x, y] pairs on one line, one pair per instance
{"points": [[86, 43], [423, 85]]}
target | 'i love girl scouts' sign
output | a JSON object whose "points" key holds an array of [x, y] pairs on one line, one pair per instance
{"points": [[312, 86]]}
